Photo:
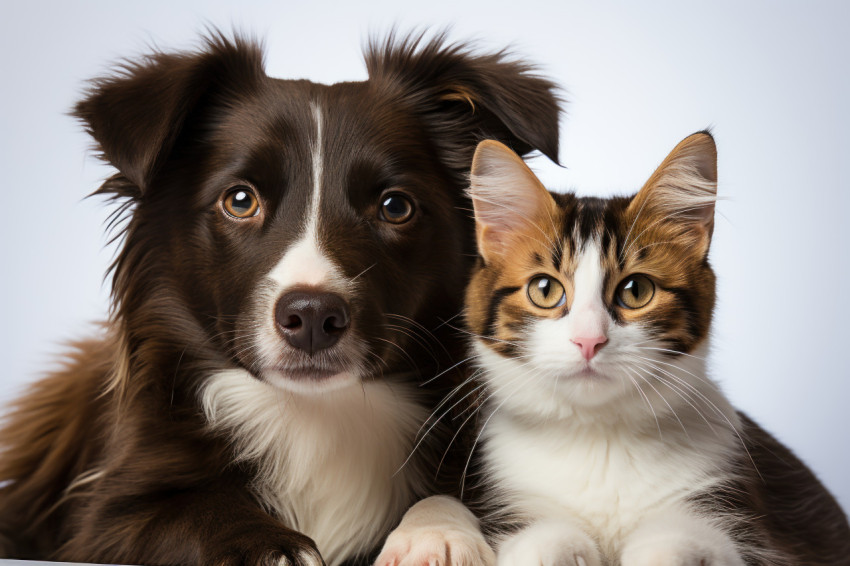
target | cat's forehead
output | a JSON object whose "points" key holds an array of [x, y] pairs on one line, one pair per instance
{"points": [[589, 220]]}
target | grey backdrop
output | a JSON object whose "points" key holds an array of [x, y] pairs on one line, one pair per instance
{"points": [[770, 77]]}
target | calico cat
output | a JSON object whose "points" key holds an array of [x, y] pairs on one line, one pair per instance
{"points": [[602, 438]]}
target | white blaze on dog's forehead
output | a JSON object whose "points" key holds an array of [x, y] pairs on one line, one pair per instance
{"points": [[318, 165], [304, 263]]}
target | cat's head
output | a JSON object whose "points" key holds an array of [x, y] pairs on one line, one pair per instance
{"points": [[588, 302]]}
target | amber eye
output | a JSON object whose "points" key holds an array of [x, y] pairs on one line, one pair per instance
{"points": [[396, 208], [546, 292], [240, 202], [635, 291]]}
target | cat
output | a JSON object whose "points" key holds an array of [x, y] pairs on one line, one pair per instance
{"points": [[603, 440]]}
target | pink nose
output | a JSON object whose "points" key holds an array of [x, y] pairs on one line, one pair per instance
{"points": [[589, 346]]}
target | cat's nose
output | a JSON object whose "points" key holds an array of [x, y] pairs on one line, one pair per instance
{"points": [[312, 321], [590, 346]]}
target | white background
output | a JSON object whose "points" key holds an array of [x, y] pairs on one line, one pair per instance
{"points": [[770, 77]]}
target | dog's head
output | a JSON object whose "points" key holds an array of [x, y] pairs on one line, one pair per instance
{"points": [[312, 234]]}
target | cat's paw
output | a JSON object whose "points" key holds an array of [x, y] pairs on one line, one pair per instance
{"points": [[693, 554], [680, 540], [673, 550], [436, 546], [549, 544]]}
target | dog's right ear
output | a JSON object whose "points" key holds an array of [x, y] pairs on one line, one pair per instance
{"points": [[465, 97], [136, 114]]}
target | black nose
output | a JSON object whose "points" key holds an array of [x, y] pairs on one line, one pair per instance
{"points": [[312, 321]]}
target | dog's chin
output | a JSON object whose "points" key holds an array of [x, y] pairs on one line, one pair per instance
{"points": [[310, 381]]}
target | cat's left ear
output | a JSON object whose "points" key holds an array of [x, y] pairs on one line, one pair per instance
{"points": [[512, 207], [682, 191]]}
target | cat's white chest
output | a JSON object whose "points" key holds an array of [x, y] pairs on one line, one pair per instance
{"points": [[607, 477]]}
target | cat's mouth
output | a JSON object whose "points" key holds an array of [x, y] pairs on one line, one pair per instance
{"points": [[587, 372]]}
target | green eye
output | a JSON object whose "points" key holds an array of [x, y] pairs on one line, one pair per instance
{"points": [[396, 208], [240, 202], [546, 292], [635, 292]]}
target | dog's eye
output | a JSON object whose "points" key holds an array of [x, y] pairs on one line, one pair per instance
{"points": [[396, 208], [240, 202]]}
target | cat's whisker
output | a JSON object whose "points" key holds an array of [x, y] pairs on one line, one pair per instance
{"points": [[707, 382], [483, 427], [445, 371], [429, 334], [645, 398], [686, 397], [631, 227], [677, 352], [436, 421], [723, 415], [403, 352], [413, 336], [664, 399], [685, 383]]}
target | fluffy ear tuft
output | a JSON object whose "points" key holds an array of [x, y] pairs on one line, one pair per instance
{"points": [[136, 113], [465, 96], [509, 201], [683, 189]]}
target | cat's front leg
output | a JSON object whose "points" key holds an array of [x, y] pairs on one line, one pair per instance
{"points": [[549, 543], [679, 539], [437, 531]]}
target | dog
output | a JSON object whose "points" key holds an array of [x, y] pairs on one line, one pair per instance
{"points": [[291, 254]]}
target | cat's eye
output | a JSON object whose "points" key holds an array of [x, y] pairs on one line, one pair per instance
{"points": [[241, 202], [546, 292], [396, 208], [635, 291]]}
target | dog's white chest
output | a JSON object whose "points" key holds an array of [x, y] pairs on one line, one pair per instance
{"points": [[327, 463]]}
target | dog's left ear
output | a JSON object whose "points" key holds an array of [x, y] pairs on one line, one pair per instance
{"points": [[465, 97], [136, 114]]}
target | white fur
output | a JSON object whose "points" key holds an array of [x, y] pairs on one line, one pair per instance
{"points": [[327, 464], [437, 531]]}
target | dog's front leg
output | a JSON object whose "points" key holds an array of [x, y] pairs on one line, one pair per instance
{"points": [[437, 531], [216, 524]]}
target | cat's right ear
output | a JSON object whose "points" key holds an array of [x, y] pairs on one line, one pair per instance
{"points": [[511, 205], [681, 193]]}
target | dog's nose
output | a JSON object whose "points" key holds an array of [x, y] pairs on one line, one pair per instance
{"points": [[312, 321]]}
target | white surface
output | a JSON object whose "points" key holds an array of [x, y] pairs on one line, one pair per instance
{"points": [[770, 76]]}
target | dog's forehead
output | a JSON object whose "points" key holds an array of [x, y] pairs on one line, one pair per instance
{"points": [[352, 130], [352, 115]]}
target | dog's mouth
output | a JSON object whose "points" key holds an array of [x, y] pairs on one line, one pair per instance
{"points": [[309, 379]]}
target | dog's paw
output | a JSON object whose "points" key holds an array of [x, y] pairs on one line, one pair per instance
{"points": [[549, 544], [305, 556], [436, 546], [294, 549], [437, 531]]}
